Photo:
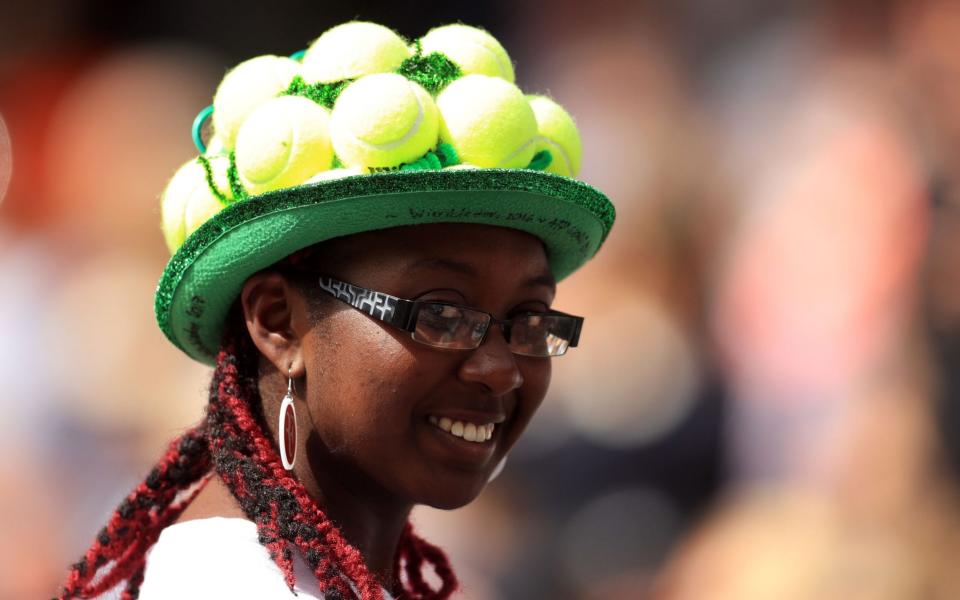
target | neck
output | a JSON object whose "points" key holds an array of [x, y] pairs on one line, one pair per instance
{"points": [[374, 529], [371, 520]]}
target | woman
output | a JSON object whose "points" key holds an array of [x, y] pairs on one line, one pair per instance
{"points": [[381, 331]]}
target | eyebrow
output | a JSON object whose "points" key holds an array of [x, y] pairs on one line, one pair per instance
{"points": [[544, 279]]}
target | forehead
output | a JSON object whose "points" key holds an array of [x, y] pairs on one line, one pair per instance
{"points": [[476, 251]]}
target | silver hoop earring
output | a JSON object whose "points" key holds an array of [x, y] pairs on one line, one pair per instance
{"points": [[498, 469], [287, 428]]}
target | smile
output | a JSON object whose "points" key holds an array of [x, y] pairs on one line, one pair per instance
{"points": [[470, 432]]}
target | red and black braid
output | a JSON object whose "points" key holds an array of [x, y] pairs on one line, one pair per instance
{"points": [[232, 441], [134, 526]]}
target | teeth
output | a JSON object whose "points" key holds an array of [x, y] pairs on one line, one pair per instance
{"points": [[470, 432]]}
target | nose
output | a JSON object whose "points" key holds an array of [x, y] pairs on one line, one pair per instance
{"points": [[492, 366]]}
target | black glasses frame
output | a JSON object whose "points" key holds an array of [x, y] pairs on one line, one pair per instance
{"points": [[402, 313]]}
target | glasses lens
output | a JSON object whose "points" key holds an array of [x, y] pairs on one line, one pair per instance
{"points": [[542, 335], [448, 326]]}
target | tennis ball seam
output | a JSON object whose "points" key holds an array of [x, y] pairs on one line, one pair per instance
{"points": [[504, 71], [305, 146], [412, 131], [275, 171], [507, 159], [493, 53]]}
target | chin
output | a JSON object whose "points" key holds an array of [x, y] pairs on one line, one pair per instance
{"points": [[451, 497]]}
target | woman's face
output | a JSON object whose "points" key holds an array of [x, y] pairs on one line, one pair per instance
{"points": [[376, 397]]}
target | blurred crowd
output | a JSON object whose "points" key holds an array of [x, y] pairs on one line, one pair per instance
{"points": [[766, 401]]}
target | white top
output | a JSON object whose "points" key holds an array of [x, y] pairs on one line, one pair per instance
{"points": [[220, 558]]}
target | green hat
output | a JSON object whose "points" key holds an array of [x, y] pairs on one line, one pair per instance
{"points": [[360, 132]]}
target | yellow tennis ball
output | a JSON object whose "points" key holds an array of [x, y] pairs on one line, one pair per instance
{"points": [[488, 121], [204, 203], [250, 84], [558, 134], [219, 165], [336, 174], [174, 200], [352, 50], [473, 50], [383, 120], [187, 202], [216, 146], [282, 144]]}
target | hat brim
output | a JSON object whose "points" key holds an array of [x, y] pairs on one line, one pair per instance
{"points": [[204, 277]]}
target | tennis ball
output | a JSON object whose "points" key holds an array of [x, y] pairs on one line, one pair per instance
{"points": [[173, 201], [473, 50], [247, 86], [187, 202], [352, 50], [204, 203], [488, 121], [336, 174], [282, 144], [383, 120], [215, 147], [558, 134]]}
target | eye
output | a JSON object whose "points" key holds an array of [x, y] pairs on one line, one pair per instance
{"points": [[444, 311], [529, 308]]}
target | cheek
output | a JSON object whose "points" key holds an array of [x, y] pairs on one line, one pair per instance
{"points": [[536, 381], [536, 376], [367, 381]]}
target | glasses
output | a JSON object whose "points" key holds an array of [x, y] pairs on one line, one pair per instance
{"points": [[456, 327]]}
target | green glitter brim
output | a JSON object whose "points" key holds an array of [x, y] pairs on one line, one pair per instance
{"points": [[204, 277]]}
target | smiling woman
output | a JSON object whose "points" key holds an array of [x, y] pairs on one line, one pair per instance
{"points": [[381, 336], [385, 386]]}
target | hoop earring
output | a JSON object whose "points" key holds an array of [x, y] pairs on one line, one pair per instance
{"points": [[288, 427]]}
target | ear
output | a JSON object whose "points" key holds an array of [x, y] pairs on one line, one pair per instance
{"points": [[275, 316]]}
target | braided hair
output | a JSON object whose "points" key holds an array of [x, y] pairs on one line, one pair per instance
{"points": [[231, 443]]}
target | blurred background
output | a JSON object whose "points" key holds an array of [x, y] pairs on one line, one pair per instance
{"points": [[766, 401]]}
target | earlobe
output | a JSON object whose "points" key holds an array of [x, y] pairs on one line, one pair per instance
{"points": [[272, 311]]}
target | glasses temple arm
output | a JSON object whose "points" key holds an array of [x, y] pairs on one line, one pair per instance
{"points": [[384, 307], [575, 338], [404, 315]]}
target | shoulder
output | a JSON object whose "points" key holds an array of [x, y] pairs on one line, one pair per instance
{"points": [[218, 557]]}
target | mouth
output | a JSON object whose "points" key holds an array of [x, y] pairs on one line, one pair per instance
{"points": [[476, 433], [464, 440]]}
